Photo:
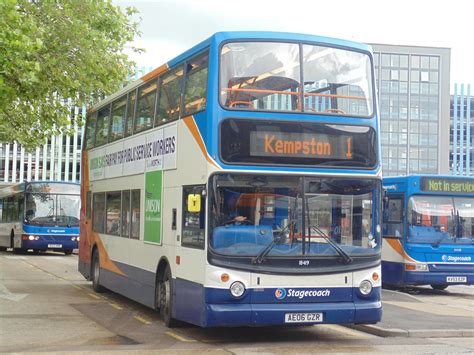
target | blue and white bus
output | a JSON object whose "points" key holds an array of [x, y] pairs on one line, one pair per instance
{"points": [[40, 215], [428, 229], [240, 184]]}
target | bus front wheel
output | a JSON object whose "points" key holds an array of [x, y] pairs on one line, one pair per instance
{"points": [[164, 293], [439, 287], [67, 252], [95, 271]]}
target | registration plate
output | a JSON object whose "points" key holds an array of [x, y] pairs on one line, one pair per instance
{"points": [[303, 317], [456, 279], [55, 245]]}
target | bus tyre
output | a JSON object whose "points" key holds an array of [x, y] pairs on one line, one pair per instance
{"points": [[165, 298], [95, 272], [439, 287], [68, 252]]}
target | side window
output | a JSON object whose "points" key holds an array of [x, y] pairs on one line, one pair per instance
{"points": [[195, 90], [98, 212], [130, 111], [135, 212], [1, 210], [169, 101], [113, 213], [90, 130], [102, 126], [145, 106], [21, 207], [393, 217], [126, 213], [193, 222], [117, 123]]}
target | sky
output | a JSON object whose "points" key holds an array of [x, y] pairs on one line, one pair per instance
{"points": [[169, 27]]}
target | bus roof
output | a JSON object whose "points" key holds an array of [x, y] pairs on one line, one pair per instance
{"points": [[220, 37]]}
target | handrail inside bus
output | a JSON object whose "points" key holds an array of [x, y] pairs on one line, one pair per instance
{"points": [[306, 94]]}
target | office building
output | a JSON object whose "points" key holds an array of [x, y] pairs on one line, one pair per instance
{"points": [[413, 87], [461, 158]]}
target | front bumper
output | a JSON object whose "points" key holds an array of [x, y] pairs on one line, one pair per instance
{"points": [[437, 278], [51, 243], [274, 314]]}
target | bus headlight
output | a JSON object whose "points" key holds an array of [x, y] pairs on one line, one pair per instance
{"points": [[31, 237], [73, 238], [77, 239], [416, 267], [237, 289], [365, 287]]}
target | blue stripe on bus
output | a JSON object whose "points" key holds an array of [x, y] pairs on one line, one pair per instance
{"points": [[207, 307], [50, 230], [394, 274]]}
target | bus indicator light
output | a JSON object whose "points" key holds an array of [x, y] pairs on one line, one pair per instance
{"points": [[375, 276], [225, 277]]}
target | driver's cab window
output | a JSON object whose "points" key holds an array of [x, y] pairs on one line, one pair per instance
{"points": [[194, 216], [393, 217]]}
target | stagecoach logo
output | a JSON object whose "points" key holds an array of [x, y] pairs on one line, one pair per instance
{"points": [[281, 293], [455, 258], [56, 231]]}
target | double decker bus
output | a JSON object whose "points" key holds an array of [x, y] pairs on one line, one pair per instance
{"points": [[240, 184], [428, 229], [40, 215]]}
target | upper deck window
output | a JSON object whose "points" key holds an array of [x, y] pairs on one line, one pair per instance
{"points": [[267, 77]]}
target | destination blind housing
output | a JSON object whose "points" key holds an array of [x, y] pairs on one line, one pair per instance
{"points": [[262, 142]]}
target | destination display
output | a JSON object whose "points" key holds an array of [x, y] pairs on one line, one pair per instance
{"points": [[434, 184], [304, 145], [271, 142]]}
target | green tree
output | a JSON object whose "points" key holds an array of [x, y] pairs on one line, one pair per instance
{"points": [[54, 50]]}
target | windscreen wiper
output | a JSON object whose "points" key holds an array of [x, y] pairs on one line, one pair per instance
{"points": [[260, 258], [345, 257]]}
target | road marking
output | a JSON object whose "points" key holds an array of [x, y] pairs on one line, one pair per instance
{"points": [[143, 320], [116, 306], [94, 296], [78, 287], [6, 294], [180, 338]]}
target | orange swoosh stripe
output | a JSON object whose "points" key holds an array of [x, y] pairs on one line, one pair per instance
{"points": [[155, 73], [398, 247], [191, 124]]}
